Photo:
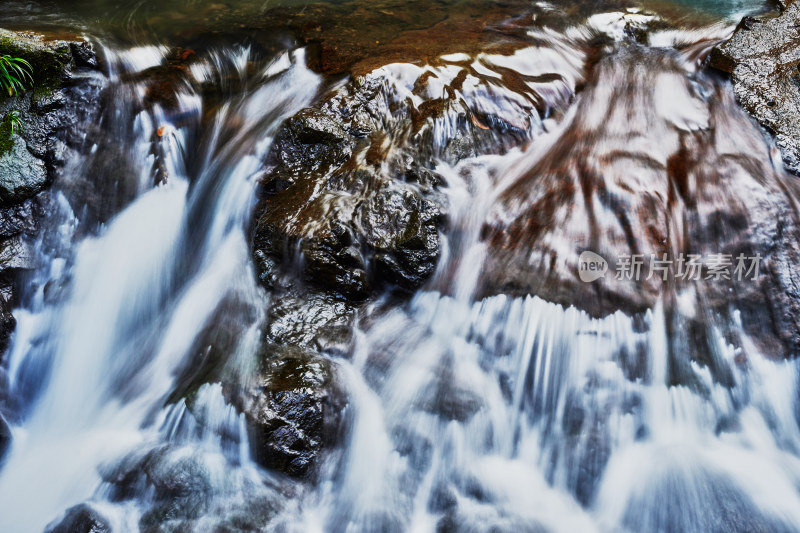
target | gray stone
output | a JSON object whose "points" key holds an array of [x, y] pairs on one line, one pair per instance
{"points": [[21, 174], [762, 58]]}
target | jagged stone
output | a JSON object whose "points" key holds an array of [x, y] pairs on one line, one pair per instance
{"points": [[762, 58], [21, 174], [293, 410]]}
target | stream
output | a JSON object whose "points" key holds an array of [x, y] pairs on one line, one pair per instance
{"points": [[502, 395]]}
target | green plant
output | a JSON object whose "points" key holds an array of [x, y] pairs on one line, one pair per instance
{"points": [[15, 121], [14, 73]]}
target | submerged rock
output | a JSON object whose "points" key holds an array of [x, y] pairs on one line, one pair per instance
{"points": [[657, 162], [762, 58], [179, 483], [81, 519], [5, 438]]}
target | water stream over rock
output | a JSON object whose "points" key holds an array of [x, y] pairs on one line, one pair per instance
{"points": [[286, 284]]}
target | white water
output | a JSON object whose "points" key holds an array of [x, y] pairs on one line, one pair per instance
{"points": [[135, 306], [504, 414], [515, 414]]}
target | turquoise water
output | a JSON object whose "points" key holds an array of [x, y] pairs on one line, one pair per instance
{"points": [[726, 8]]}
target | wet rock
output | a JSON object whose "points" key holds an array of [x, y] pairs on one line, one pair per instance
{"points": [[696, 179], [169, 473], [81, 519], [293, 410], [215, 350], [5, 438], [20, 219], [21, 174], [762, 58], [312, 320], [7, 322], [179, 484], [52, 112], [351, 197], [402, 228]]}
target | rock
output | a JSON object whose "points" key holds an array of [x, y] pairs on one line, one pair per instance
{"points": [[351, 197], [7, 320], [81, 519], [20, 219], [5, 438], [402, 228], [49, 57], [695, 179], [178, 485], [312, 320], [293, 410], [762, 58], [21, 174], [55, 114]]}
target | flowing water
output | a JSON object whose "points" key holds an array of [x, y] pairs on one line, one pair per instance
{"points": [[465, 413]]}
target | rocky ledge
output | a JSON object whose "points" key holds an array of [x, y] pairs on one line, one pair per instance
{"points": [[762, 58], [65, 91]]}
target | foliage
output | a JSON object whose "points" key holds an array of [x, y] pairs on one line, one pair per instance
{"points": [[15, 121], [15, 72]]}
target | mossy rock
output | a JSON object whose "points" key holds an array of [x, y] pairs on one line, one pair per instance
{"points": [[49, 58]]}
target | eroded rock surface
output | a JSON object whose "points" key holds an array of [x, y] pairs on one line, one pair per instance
{"points": [[352, 195], [762, 58], [21, 174], [63, 94], [659, 165]]}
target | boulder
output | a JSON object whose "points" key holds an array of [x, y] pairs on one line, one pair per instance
{"points": [[762, 58], [293, 410], [21, 174], [351, 197], [53, 112]]}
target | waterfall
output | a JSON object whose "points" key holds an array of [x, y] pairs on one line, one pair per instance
{"points": [[507, 394], [141, 289]]}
